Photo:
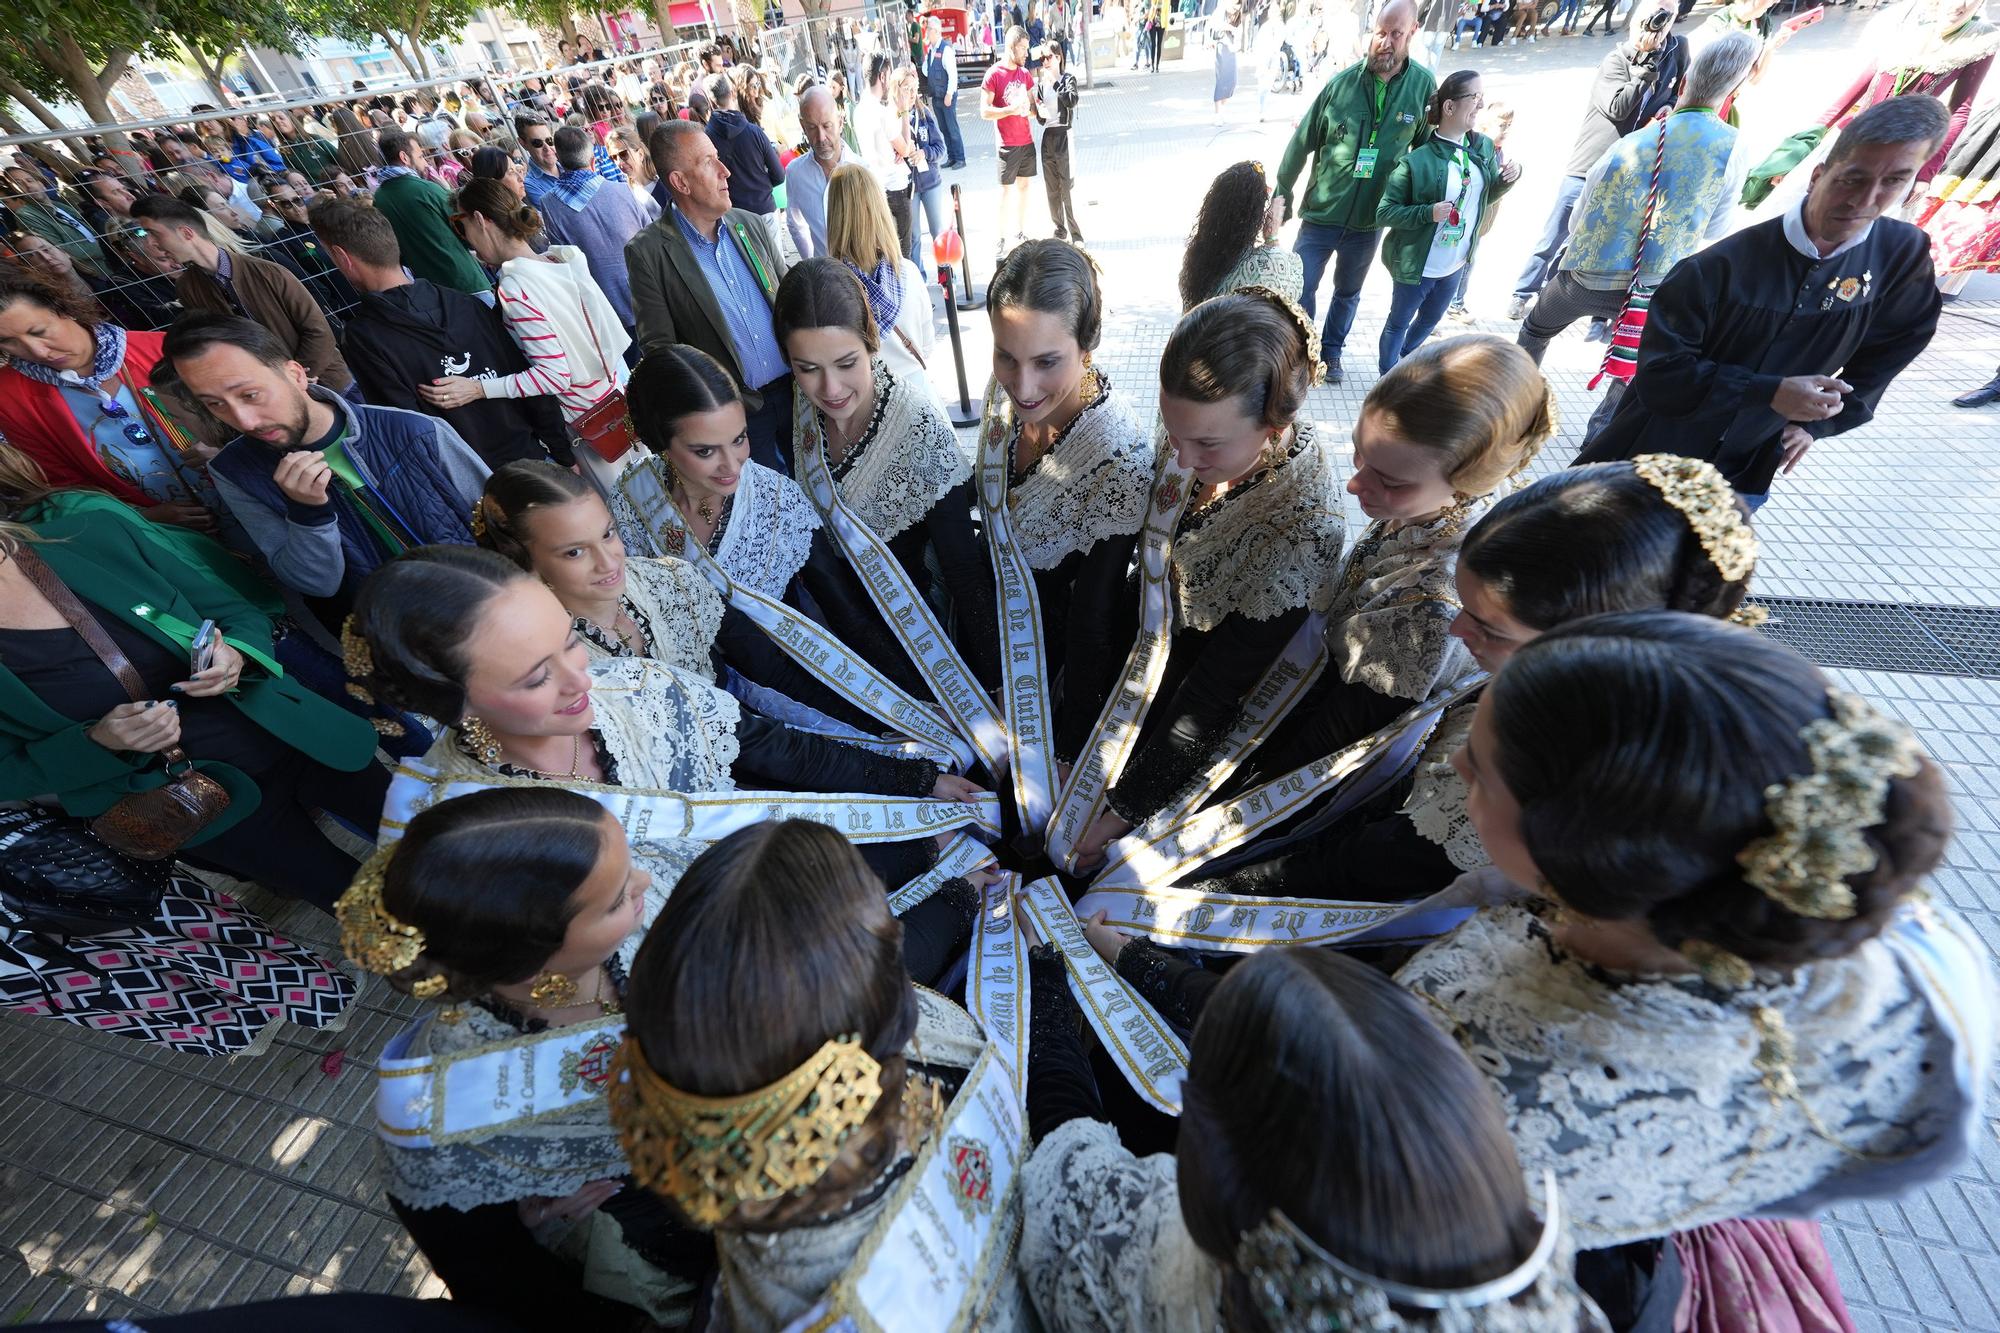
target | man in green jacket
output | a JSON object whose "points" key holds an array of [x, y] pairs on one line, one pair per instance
{"points": [[420, 210], [1357, 131]]}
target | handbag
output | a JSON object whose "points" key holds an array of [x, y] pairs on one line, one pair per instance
{"points": [[606, 427], [146, 825], [58, 878], [1621, 358]]}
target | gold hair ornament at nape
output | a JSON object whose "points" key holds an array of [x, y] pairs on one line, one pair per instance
{"points": [[1299, 317], [1708, 503]]}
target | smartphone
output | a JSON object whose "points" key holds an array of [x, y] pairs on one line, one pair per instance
{"points": [[201, 653], [1805, 20]]}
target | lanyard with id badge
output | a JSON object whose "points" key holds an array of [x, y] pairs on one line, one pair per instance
{"points": [[1364, 159], [1452, 230]]}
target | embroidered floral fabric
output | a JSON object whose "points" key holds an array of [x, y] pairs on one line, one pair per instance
{"points": [[1104, 1246], [554, 1156], [1389, 626], [1436, 805], [769, 532], [902, 465], [1090, 486], [1272, 266], [679, 610], [1641, 1094], [1268, 547]]}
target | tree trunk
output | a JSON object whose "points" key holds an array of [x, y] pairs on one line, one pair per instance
{"points": [[569, 32], [211, 73], [416, 40], [90, 86], [663, 15], [389, 40]]}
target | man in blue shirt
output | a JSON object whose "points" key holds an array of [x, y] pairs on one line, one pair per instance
{"points": [[538, 141], [705, 275], [807, 176]]}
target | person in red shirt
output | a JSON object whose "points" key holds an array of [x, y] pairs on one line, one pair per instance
{"points": [[1007, 98]]}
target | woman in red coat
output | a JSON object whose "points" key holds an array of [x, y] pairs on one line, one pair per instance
{"points": [[76, 396]]}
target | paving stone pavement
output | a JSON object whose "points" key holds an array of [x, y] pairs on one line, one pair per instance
{"points": [[135, 1181]]}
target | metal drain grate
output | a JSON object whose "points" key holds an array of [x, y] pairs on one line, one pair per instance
{"points": [[1884, 636]]}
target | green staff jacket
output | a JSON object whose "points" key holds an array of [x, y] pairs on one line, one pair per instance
{"points": [[1337, 127]]}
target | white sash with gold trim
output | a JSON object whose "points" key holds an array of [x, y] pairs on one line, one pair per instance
{"points": [[806, 642], [902, 607], [433, 1101]]}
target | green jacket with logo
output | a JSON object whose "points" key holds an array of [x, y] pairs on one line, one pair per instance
{"points": [[1337, 127], [1419, 182]]}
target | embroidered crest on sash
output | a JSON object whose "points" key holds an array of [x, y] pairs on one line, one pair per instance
{"points": [[1169, 493], [971, 1176], [589, 1066]]}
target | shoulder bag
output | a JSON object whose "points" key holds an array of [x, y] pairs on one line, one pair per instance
{"points": [[146, 825]]}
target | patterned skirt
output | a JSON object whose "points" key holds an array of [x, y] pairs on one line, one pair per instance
{"points": [[207, 977]]}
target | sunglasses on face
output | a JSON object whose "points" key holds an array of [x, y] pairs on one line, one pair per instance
{"points": [[538, 143]]}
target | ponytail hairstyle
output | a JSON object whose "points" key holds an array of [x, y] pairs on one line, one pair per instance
{"points": [[500, 518], [674, 382], [1241, 346], [490, 879], [1478, 400], [1641, 747], [499, 205], [1452, 89], [416, 613], [1594, 539], [823, 293]]}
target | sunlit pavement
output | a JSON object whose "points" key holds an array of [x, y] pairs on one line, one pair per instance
{"points": [[133, 1180]]}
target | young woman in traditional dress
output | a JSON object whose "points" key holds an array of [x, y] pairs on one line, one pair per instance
{"points": [[1437, 438], [1740, 1002], [462, 634], [890, 454], [508, 908], [800, 1138], [1244, 531], [1655, 533], [1341, 1164], [1078, 465]]}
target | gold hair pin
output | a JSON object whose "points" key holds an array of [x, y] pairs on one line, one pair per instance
{"points": [[369, 934]]}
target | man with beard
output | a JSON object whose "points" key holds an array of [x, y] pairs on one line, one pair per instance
{"points": [[326, 489], [1359, 127], [807, 177]]}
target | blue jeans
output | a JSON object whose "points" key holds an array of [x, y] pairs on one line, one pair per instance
{"points": [[947, 119], [1570, 10], [1755, 502], [1414, 310], [1353, 251], [1471, 25], [932, 211], [1554, 232]]}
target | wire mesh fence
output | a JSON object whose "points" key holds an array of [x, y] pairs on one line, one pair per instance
{"points": [[67, 198]]}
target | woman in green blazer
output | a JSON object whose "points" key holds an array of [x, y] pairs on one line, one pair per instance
{"points": [[71, 735], [1430, 213]]}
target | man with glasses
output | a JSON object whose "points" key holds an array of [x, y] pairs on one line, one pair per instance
{"points": [[538, 141]]}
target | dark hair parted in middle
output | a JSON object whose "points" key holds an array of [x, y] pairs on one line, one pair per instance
{"points": [[490, 879], [1319, 1087], [1594, 539], [1247, 347], [1639, 746], [513, 490], [823, 293], [1054, 278], [813, 954], [673, 382], [417, 612]]}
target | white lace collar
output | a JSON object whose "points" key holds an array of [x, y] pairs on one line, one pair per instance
{"points": [[1268, 547], [1090, 486], [679, 610], [1436, 806], [903, 464], [767, 532], [666, 729], [1389, 626]]}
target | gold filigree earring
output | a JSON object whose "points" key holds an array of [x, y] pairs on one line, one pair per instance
{"points": [[553, 990], [485, 745]]}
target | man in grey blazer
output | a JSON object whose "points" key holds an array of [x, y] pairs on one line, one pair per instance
{"points": [[705, 274]]}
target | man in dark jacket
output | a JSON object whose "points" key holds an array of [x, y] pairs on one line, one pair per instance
{"points": [[327, 490], [1638, 79], [747, 151], [406, 332], [1789, 331]]}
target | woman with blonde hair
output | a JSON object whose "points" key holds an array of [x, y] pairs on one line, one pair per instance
{"points": [[861, 234]]}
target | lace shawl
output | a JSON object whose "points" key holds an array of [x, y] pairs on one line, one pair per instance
{"points": [[1641, 1094], [1104, 1246], [770, 1279], [903, 464], [771, 522], [1436, 805], [1389, 626], [1091, 485], [1273, 266], [681, 611], [555, 1156], [1268, 547]]}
